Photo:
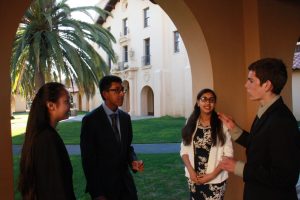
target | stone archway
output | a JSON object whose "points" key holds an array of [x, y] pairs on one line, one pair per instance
{"points": [[194, 40], [227, 35], [147, 101], [11, 14]]}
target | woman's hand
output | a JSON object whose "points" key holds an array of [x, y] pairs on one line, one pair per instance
{"points": [[205, 178], [193, 176], [191, 170]]}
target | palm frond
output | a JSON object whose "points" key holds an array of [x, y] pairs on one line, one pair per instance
{"points": [[52, 45], [85, 9]]}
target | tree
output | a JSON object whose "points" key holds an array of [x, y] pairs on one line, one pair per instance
{"points": [[51, 46]]}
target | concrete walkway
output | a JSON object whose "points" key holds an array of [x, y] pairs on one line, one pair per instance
{"points": [[139, 148]]}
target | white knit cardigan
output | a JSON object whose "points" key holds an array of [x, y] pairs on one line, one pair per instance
{"points": [[215, 156]]}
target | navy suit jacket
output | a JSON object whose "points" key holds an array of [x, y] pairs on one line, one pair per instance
{"points": [[272, 149], [105, 162]]}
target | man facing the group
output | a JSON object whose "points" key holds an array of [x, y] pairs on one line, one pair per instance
{"points": [[272, 146]]}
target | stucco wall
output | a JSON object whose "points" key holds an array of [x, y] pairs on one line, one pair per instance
{"points": [[19, 104], [166, 73]]}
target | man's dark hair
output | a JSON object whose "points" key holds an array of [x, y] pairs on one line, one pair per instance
{"points": [[271, 69], [105, 83]]}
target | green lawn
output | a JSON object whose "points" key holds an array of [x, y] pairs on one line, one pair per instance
{"points": [[18, 124], [163, 178], [157, 130]]}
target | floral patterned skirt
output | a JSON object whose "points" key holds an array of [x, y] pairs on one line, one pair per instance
{"points": [[207, 191]]}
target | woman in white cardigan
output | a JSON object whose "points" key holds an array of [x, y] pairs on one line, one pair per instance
{"points": [[204, 143]]}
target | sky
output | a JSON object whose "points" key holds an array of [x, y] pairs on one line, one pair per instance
{"points": [[74, 3], [78, 3]]}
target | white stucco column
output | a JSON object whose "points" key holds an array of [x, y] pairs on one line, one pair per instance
{"points": [[132, 100], [161, 96], [132, 80]]}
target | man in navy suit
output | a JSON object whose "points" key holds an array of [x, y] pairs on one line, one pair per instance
{"points": [[272, 146], [105, 142]]}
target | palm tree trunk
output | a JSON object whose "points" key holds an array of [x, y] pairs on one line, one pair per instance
{"points": [[12, 105], [39, 80]]}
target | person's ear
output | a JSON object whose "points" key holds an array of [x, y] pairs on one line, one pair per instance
{"points": [[268, 86], [198, 103], [105, 93], [50, 106]]}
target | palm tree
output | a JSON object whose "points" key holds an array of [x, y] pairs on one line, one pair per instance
{"points": [[51, 46]]}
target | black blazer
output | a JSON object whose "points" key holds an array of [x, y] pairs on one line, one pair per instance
{"points": [[105, 162], [53, 169], [272, 148]]}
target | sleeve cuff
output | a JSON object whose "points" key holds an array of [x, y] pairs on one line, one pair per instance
{"points": [[236, 132], [183, 149], [239, 168]]}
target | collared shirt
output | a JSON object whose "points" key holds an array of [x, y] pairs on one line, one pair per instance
{"points": [[237, 132], [262, 109], [108, 112]]}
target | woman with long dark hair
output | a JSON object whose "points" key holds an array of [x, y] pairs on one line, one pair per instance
{"points": [[45, 167], [204, 143]]}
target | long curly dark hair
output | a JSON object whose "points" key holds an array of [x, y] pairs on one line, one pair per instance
{"points": [[215, 123], [38, 120]]}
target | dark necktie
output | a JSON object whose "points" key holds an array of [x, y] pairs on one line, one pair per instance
{"points": [[115, 127]]}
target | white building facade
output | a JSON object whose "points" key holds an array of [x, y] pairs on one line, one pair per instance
{"points": [[151, 59]]}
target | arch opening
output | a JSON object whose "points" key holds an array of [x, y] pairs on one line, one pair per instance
{"points": [[147, 101]]}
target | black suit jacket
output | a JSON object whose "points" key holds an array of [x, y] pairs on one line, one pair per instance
{"points": [[105, 162], [52, 166], [272, 148]]}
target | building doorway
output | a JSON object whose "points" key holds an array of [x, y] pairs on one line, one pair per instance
{"points": [[147, 101]]}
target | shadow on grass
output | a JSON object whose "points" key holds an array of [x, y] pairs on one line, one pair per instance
{"points": [[163, 178]]}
